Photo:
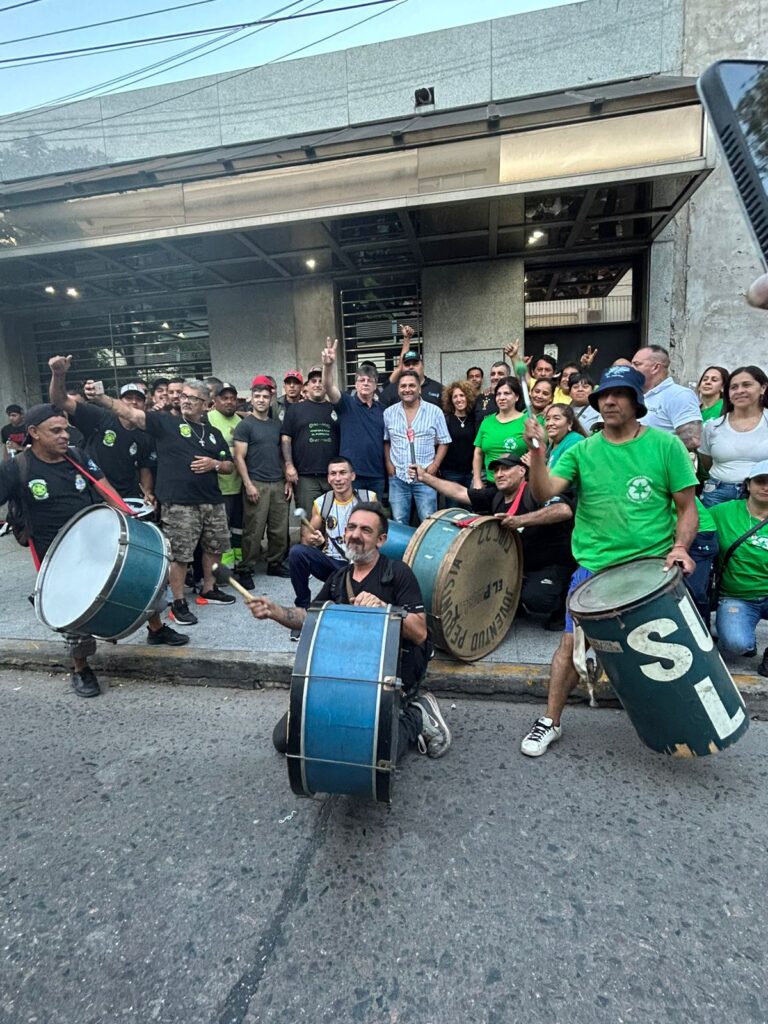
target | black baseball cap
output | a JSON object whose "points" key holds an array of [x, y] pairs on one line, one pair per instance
{"points": [[221, 388], [506, 460]]}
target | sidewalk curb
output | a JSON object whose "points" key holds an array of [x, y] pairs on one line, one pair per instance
{"points": [[256, 670]]}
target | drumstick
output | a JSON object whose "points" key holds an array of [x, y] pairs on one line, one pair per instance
{"points": [[522, 373], [411, 435], [300, 513], [221, 575]]}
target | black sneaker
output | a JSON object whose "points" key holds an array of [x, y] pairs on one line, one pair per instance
{"points": [[180, 613], [245, 579], [85, 683], [214, 596], [279, 569], [762, 668], [166, 635]]}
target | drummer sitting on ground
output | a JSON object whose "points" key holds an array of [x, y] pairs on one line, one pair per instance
{"points": [[372, 580], [635, 488], [545, 531], [55, 491]]}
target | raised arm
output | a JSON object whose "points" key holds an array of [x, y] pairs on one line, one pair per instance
{"points": [[457, 492], [407, 330], [690, 434], [328, 359], [57, 388], [126, 412]]}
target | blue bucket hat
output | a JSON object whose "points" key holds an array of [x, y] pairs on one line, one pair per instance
{"points": [[622, 377]]}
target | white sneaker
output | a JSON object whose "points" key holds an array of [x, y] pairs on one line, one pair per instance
{"points": [[543, 733], [435, 737]]}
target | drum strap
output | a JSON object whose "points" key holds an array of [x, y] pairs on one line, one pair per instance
{"points": [[103, 488], [512, 510], [726, 559]]}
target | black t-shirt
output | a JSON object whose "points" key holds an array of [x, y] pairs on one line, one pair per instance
{"points": [[179, 443], [15, 434], [458, 458], [485, 406], [55, 492], [262, 460], [431, 391], [542, 545], [118, 450], [391, 581], [313, 428]]}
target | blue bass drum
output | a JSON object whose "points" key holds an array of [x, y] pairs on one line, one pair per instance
{"points": [[398, 538], [104, 575], [345, 702]]}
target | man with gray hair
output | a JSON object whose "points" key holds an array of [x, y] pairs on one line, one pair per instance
{"points": [[671, 407], [190, 455]]}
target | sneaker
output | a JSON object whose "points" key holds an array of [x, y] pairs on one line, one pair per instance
{"points": [[5, 528], [279, 569], [244, 578], [295, 635], [180, 613], [85, 683], [543, 733], [435, 737], [762, 668], [214, 596], [166, 635]]}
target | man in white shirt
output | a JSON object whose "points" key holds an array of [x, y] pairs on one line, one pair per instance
{"points": [[671, 407]]}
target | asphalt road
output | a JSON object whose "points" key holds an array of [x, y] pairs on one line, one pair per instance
{"points": [[155, 867]]}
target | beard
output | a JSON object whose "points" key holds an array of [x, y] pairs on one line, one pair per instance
{"points": [[359, 557]]}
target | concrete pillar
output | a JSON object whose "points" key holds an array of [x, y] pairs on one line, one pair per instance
{"points": [[19, 382], [315, 319], [471, 311]]}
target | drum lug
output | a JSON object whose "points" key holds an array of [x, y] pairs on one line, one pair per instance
{"points": [[391, 683], [384, 766]]}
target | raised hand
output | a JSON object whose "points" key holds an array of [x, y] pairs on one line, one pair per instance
{"points": [[588, 358], [512, 351], [407, 331], [60, 364], [328, 356]]}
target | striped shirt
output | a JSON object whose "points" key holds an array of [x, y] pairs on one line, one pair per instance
{"points": [[430, 430]]}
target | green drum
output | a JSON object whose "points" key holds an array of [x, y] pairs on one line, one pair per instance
{"points": [[660, 658]]}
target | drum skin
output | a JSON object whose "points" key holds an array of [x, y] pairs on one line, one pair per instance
{"points": [[470, 578], [132, 590], [660, 659], [345, 703], [398, 538]]}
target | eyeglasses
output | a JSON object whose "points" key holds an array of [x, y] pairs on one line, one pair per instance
{"points": [[191, 398]]}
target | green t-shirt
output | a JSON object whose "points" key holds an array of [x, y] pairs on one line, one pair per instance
{"points": [[229, 483], [624, 490], [706, 522], [712, 411], [746, 574], [497, 439]]}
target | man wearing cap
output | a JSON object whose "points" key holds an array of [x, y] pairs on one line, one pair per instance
{"points": [[225, 419], [13, 432], [266, 490], [309, 436], [293, 382], [635, 487], [670, 406], [545, 531], [51, 489], [410, 359], [123, 452], [361, 421]]}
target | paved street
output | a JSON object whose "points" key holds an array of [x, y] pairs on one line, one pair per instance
{"points": [[155, 866]]}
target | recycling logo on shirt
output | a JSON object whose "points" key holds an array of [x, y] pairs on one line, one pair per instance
{"points": [[639, 489], [133, 449], [39, 489], [757, 541], [510, 444], [185, 430], [109, 438], [80, 483]]}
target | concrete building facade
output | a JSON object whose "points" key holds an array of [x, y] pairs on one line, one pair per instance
{"points": [[479, 182]]}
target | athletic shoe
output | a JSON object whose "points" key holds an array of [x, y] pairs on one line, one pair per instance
{"points": [[180, 613], [296, 635], [279, 569], [244, 578], [5, 528], [435, 737], [167, 636], [214, 596], [762, 668], [85, 683], [543, 733]]}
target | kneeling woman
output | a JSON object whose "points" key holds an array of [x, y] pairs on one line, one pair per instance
{"points": [[744, 576]]}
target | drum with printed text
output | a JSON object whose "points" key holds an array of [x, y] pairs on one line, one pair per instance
{"points": [[660, 658], [470, 570]]}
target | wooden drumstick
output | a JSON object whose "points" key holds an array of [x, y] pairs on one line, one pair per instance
{"points": [[301, 514], [221, 575]]}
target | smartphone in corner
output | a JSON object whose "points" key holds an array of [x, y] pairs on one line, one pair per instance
{"points": [[735, 96]]}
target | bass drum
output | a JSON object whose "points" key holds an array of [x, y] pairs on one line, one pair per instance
{"points": [[470, 571], [345, 702], [104, 575]]}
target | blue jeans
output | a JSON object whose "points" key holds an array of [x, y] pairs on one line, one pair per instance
{"points": [[401, 495], [703, 551], [715, 492], [371, 483], [737, 621], [305, 561]]}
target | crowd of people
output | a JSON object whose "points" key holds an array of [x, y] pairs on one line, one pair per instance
{"points": [[590, 473]]}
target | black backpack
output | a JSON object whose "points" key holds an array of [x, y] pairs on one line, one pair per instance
{"points": [[18, 517]]}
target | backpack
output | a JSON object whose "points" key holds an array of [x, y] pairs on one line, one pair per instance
{"points": [[327, 504], [18, 516]]}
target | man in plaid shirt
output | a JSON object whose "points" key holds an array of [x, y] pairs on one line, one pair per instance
{"points": [[414, 432]]}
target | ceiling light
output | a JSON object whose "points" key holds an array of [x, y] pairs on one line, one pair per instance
{"points": [[73, 293], [50, 290], [537, 234], [181, 334], [311, 263], [165, 325]]}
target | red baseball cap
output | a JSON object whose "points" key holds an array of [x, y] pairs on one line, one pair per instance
{"points": [[261, 382], [295, 374]]}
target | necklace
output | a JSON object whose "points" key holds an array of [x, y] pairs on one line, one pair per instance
{"points": [[462, 420], [201, 439]]}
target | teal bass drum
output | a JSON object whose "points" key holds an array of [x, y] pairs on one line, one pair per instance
{"points": [[660, 658], [104, 575]]}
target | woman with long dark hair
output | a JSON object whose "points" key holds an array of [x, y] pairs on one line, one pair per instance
{"points": [[563, 431], [712, 389], [502, 433], [733, 443], [542, 396]]}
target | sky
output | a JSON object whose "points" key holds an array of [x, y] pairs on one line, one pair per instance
{"points": [[26, 85]]}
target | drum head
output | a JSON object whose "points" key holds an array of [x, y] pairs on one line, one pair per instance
{"points": [[621, 587], [78, 566]]}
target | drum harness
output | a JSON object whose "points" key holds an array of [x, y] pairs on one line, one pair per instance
{"points": [[717, 576]]}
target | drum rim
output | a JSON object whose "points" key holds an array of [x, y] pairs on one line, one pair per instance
{"points": [[445, 569], [675, 577], [421, 530]]}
